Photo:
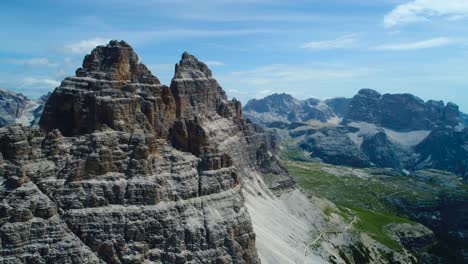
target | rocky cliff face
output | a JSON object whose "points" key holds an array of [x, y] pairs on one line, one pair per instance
{"points": [[445, 149], [126, 170]]}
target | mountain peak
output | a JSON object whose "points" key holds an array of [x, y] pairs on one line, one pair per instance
{"points": [[116, 61], [190, 67], [369, 93]]}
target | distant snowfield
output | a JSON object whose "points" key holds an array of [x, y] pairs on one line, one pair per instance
{"points": [[409, 139], [283, 226]]}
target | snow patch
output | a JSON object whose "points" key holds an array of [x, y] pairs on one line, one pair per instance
{"points": [[409, 139]]}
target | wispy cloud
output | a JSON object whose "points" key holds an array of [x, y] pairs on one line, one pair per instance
{"points": [[422, 44], [31, 62], [161, 67], [342, 42], [284, 74], [84, 46], [30, 81], [423, 10], [214, 63], [298, 79]]}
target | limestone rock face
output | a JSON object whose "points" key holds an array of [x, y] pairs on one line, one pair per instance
{"points": [[116, 62], [126, 170], [196, 91], [112, 90]]}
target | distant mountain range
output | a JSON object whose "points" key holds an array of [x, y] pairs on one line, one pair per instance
{"points": [[399, 131], [17, 108]]}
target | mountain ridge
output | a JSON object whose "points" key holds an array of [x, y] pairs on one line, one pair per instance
{"points": [[370, 129]]}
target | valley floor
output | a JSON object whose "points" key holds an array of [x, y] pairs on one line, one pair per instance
{"points": [[383, 214]]}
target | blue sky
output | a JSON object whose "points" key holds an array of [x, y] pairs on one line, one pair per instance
{"points": [[308, 48]]}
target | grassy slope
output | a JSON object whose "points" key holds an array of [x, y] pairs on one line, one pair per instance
{"points": [[365, 192]]}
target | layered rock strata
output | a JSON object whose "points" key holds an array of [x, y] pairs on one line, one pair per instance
{"points": [[126, 170]]}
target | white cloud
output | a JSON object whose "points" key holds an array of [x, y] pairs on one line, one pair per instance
{"points": [[30, 81], [161, 67], [342, 42], [85, 46], [33, 62], [214, 63], [423, 10], [423, 44]]}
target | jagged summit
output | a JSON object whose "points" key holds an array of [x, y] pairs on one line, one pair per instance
{"points": [[117, 61], [195, 90], [112, 90], [190, 67], [140, 172]]}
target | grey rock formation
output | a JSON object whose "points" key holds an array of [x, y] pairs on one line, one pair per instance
{"points": [[365, 107], [339, 105], [11, 106], [126, 170], [376, 130], [333, 146], [387, 154], [445, 149], [284, 108], [17, 108]]}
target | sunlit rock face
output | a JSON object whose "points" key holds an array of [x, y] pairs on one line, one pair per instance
{"points": [[126, 170]]}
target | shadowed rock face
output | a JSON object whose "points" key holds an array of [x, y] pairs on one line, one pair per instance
{"points": [[126, 170], [464, 118], [386, 154], [445, 149]]}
